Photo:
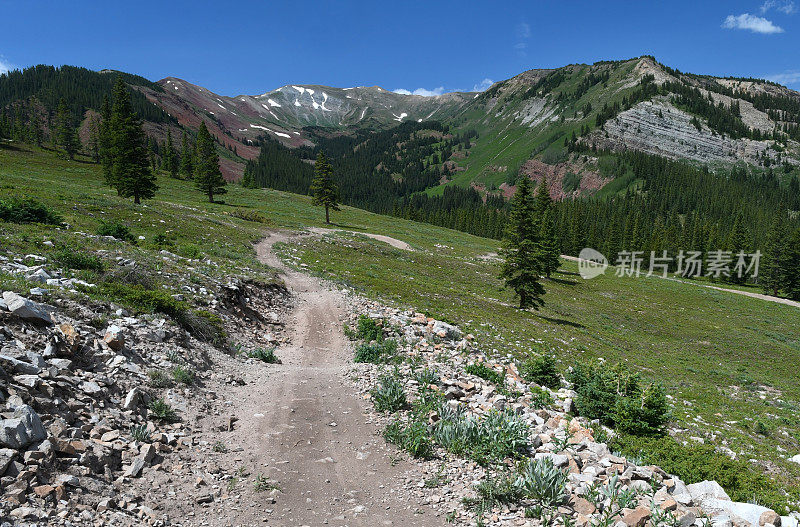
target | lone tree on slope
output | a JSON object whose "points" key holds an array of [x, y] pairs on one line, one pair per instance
{"points": [[207, 173], [523, 260], [323, 188], [129, 168]]}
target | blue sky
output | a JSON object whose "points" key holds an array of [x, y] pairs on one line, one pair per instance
{"points": [[253, 47]]}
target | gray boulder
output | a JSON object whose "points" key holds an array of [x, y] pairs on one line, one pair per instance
{"points": [[27, 309], [22, 429]]}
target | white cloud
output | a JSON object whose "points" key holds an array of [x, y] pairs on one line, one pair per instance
{"points": [[6, 66], [523, 33], [483, 85], [787, 78], [421, 91], [753, 23], [786, 7]]}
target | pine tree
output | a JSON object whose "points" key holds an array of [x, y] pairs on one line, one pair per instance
{"points": [[187, 158], [94, 139], [323, 188], [104, 143], [551, 256], [774, 265], [207, 173], [170, 157], [65, 135], [127, 148], [522, 265], [791, 266]]}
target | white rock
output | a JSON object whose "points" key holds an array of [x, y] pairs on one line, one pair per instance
{"points": [[26, 309], [22, 429]]}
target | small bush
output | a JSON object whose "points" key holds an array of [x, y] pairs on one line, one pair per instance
{"points": [[16, 210], [496, 436], [481, 370], [542, 370], [543, 482], [541, 398], [140, 433], [80, 261], [183, 375], [190, 251], [264, 355], [615, 397], [368, 330], [412, 437], [249, 215], [219, 447], [427, 377], [388, 396], [116, 230], [162, 241], [502, 489], [162, 411], [261, 484], [158, 378], [376, 352]]}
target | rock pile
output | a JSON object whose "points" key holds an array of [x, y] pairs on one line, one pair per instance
{"points": [[594, 473]]}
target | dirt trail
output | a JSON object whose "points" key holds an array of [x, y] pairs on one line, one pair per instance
{"points": [[309, 431], [394, 242]]}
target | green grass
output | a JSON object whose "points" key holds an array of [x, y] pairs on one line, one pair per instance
{"points": [[724, 359]]}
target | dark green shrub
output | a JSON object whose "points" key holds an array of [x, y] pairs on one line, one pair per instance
{"points": [[643, 414], [368, 330], [481, 370], [542, 370], [541, 398], [16, 210], [413, 437], [388, 395], [614, 396], [699, 462], [376, 352], [161, 410], [190, 251], [72, 259], [116, 230], [264, 355], [183, 375]]}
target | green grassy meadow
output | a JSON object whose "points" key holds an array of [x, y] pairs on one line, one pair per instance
{"points": [[728, 362]]}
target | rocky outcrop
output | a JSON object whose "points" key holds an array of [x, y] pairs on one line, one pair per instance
{"points": [[657, 127], [568, 442]]}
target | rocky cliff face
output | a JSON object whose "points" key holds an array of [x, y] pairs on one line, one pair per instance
{"points": [[657, 127]]}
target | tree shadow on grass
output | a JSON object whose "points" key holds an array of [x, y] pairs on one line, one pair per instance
{"points": [[561, 322], [563, 281]]}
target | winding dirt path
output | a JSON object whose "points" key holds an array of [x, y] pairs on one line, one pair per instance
{"points": [[394, 242], [312, 434]]}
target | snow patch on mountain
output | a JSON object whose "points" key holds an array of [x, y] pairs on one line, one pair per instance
{"points": [[273, 103]]}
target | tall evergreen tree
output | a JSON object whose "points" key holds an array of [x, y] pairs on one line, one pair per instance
{"points": [[130, 169], [170, 157], [93, 144], [66, 137], [522, 255], [774, 265], [207, 173], [551, 255], [791, 266], [104, 143], [323, 188], [187, 158]]}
